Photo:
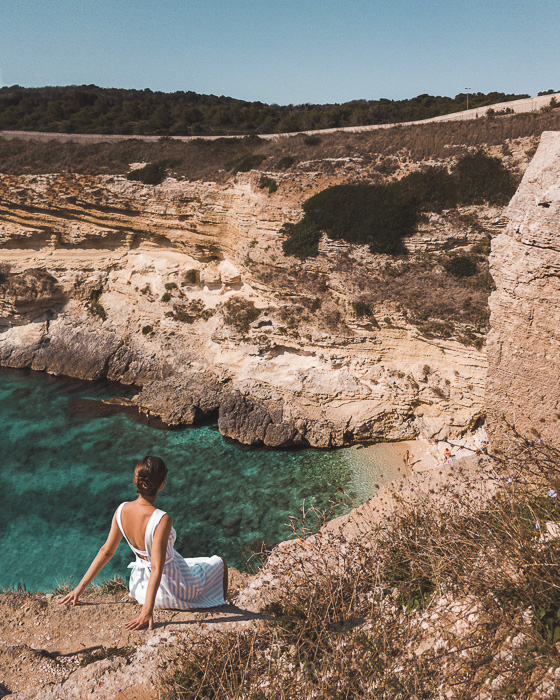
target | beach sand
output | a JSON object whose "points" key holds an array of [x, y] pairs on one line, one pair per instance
{"points": [[374, 465]]}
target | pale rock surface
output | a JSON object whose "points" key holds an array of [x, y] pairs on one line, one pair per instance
{"points": [[524, 341], [143, 254]]}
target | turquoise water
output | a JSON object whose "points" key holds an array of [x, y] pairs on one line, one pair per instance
{"points": [[67, 463]]}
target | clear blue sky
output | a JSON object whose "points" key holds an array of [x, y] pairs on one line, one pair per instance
{"points": [[288, 51]]}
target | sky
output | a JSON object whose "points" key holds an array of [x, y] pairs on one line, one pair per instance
{"points": [[284, 51]]}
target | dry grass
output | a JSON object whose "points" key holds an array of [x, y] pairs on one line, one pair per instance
{"points": [[455, 595], [209, 159], [417, 286]]}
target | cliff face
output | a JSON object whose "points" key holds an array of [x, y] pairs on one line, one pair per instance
{"points": [[139, 276], [524, 342]]}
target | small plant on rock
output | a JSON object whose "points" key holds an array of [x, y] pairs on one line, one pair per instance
{"points": [[191, 312], [95, 308], [285, 162], [268, 183], [461, 266], [245, 163], [361, 309], [150, 174], [240, 313], [191, 276]]}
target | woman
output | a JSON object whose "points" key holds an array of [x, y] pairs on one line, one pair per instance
{"points": [[161, 577]]}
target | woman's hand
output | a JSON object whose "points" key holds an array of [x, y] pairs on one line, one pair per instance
{"points": [[71, 597], [142, 621]]}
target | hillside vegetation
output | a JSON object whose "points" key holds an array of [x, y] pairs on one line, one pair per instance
{"points": [[218, 159], [381, 215], [90, 109]]}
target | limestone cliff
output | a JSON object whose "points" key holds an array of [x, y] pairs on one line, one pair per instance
{"points": [[141, 279], [524, 342]]}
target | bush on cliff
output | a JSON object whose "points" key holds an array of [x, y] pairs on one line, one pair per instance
{"points": [[240, 313], [246, 163], [376, 215], [29, 285], [381, 216], [301, 239], [150, 174], [269, 183], [482, 178], [461, 266]]}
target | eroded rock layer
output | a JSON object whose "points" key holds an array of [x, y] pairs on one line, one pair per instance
{"points": [[106, 278], [524, 342]]}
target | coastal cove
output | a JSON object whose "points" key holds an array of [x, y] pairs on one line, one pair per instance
{"points": [[68, 461]]}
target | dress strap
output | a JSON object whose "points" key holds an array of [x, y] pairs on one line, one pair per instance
{"points": [[153, 522], [119, 521]]}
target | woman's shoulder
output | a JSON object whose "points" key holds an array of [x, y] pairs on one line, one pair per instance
{"points": [[120, 507]]}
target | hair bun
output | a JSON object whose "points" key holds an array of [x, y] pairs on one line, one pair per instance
{"points": [[149, 475]]}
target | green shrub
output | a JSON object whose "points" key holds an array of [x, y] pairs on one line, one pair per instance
{"points": [[182, 314], [432, 189], [377, 215], [461, 266], [361, 309], [150, 174], [245, 163], [311, 140], [268, 182], [146, 330], [170, 285], [437, 329], [95, 308], [285, 162], [191, 276], [191, 312], [166, 297], [482, 178], [240, 313], [302, 239], [382, 215]]}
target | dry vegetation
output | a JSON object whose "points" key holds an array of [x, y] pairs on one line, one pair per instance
{"points": [[205, 159], [415, 289], [455, 595]]}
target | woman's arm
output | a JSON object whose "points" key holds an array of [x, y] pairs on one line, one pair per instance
{"points": [[102, 557], [159, 550]]}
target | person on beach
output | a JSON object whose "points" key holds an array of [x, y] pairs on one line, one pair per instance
{"points": [[160, 577], [407, 459]]}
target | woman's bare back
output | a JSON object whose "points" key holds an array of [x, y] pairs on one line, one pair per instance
{"points": [[134, 520]]}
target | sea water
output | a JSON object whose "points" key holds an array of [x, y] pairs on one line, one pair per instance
{"points": [[67, 462]]}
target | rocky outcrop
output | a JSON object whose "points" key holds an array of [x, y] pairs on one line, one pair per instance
{"points": [[140, 276], [524, 342]]}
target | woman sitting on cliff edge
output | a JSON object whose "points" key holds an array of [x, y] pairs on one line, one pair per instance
{"points": [[160, 577]]}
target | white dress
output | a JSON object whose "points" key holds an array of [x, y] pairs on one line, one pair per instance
{"points": [[186, 584]]}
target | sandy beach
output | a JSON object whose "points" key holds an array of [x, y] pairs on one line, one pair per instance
{"points": [[374, 465]]}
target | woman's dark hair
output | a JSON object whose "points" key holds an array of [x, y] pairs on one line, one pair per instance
{"points": [[149, 475]]}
